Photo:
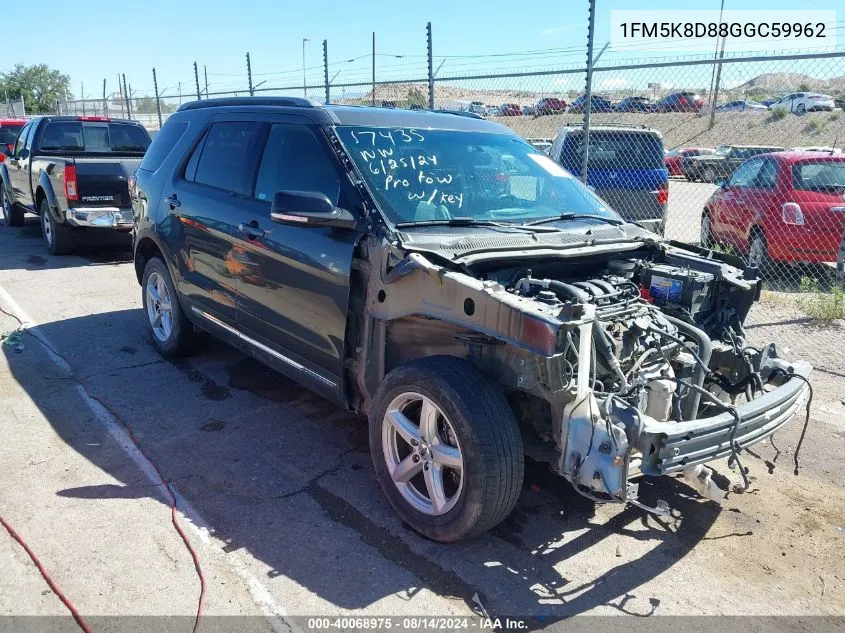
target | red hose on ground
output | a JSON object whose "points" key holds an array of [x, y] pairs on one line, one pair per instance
{"points": [[173, 504], [46, 576]]}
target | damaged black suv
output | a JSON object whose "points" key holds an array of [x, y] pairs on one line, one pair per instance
{"points": [[439, 274]]}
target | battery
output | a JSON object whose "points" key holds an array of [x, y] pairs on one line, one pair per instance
{"points": [[679, 288]]}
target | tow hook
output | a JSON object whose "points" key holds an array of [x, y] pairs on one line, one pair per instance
{"points": [[660, 509]]}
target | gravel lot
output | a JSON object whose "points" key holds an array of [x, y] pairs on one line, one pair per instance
{"points": [[277, 494]]}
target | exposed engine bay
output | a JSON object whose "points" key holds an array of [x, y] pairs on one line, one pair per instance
{"points": [[623, 363]]}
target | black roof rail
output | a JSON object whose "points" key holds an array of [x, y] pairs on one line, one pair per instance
{"points": [[297, 102]]}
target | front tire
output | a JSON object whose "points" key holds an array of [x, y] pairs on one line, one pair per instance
{"points": [[170, 331], [709, 175], [12, 216], [446, 448], [706, 232], [758, 254], [801, 109], [57, 236]]}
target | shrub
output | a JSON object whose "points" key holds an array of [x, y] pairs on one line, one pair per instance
{"points": [[820, 305], [815, 125], [834, 116], [779, 112]]}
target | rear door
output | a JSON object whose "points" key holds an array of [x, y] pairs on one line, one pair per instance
{"points": [[293, 289], [206, 197], [626, 168]]}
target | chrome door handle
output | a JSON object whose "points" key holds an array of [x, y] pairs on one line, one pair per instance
{"points": [[252, 232]]}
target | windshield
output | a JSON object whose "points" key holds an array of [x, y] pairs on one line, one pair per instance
{"points": [[418, 175], [827, 176], [76, 136], [615, 149]]}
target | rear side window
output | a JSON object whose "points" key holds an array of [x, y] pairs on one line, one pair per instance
{"points": [[293, 160], [825, 177], [78, 136], [8, 134], [225, 159], [620, 150], [163, 144]]}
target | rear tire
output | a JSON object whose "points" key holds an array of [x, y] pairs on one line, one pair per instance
{"points": [[59, 237], [170, 330], [709, 175], [12, 216], [801, 109], [469, 420]]}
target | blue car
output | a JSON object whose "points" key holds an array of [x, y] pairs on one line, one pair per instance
{"points": [[625, 168]]}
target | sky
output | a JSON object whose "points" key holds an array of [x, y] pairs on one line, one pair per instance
{"points": [[132, 38]]}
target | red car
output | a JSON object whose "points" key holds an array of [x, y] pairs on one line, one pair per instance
{"points": [[550, 105], [674, 159], [9, 129], [784, 207], [680, 102], [510, 109]]}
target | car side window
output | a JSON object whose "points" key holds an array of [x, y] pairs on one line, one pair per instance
{"points": [[746, 175], [294, 160], [767, 175], [20, 142], [224, 159]]}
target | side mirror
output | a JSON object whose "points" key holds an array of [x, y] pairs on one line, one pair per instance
{"points": [[308, 208], [721, 183], [2, 156]]}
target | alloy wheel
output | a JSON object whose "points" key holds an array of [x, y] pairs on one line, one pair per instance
{"points": [[47, 227], [422, 454], [159, 307]]}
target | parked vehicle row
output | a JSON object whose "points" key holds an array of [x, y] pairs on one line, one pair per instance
{"points": [[444, 277], [684, 101]]}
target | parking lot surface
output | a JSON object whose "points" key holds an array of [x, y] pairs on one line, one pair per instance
{"points": [[277, 494]]}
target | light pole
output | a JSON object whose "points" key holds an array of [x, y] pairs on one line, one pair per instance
{"points": [[304, 80]]}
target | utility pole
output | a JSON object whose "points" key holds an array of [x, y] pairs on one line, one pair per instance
{"points": [[122, 97], [326, 68], [304, 80], [128, 98], [205, 74], [249, 75], [180, 92], [158, 100], [716, 86], [105, 102], [430, 68], [374, 67], [715, 55], [82, 96], [588, 93], [197, 80]]}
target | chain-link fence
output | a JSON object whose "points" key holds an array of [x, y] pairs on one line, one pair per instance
{"points": [[694, 147]]}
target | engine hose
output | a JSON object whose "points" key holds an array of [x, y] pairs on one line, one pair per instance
{"points": [[705, 351], [605, 348], [568, 291]]}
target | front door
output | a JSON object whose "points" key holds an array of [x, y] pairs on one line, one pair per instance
{"points": [[19, 165], [734, 207], [293, 291]]}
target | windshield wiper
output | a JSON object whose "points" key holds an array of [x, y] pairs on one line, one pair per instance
{"points": [[464, 221], [575, 216]]}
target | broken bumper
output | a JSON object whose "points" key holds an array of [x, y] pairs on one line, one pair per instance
{"points": [[679, 446], [101, 217]]}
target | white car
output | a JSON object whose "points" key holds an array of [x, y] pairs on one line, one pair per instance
{"points": [[801, 102], [817, 148]]}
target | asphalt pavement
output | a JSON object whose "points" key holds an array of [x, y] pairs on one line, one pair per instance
{"points": [[277, 495]]}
